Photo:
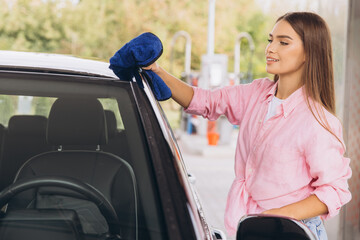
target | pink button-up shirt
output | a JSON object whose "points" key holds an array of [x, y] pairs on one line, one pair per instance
{"points": [[280, 161]]}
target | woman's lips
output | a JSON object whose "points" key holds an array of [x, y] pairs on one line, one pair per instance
{"points": [[270, 60]]}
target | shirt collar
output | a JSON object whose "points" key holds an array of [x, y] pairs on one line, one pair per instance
{"points": [[269, 95], [289, 104]]}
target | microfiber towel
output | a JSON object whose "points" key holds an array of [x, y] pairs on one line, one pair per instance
{"points": [[141, 51]]}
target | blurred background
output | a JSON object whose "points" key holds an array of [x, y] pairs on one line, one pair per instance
{"points": [[97, 29]]}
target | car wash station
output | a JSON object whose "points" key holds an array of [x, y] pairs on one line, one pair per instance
{"points": [[213, 74]]}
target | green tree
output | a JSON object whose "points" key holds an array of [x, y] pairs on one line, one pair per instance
{"points": [[97, 29], [7, 108], [30, 26]]}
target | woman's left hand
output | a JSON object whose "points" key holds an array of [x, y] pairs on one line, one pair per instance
{"points": [[277, 211], [306, 208]]}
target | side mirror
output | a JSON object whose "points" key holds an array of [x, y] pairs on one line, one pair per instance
{"points": [[218, 234], [264, 227]]}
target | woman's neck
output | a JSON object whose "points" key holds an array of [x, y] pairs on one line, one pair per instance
{"points": [[287, 86]]}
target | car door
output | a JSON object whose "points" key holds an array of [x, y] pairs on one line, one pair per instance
{"points": [[172, 176]]}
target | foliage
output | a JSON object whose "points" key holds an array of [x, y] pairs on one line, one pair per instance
{"points": [[96, 29], [7, 108]]}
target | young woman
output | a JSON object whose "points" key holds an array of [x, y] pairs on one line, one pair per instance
{"points": [[289, 157]]}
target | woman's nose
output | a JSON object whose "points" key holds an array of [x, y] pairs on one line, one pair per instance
{"points": [[270, 49]]}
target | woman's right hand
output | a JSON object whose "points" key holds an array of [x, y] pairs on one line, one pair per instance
{"points": [[155, 67], [182, 93]]}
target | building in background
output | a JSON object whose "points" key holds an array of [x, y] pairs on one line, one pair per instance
{"points": [[350, 221]]}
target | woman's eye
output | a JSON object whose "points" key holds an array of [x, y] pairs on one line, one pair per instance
{"points": [[284, 43], [270, 41]]}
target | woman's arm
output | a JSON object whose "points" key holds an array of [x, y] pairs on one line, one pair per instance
{"points": [[182, 93], [307, 208]]}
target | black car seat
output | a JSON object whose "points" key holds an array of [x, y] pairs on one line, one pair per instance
{"points": [[25, 137], [81, 122], [117, 140], [2, 137], [2, 134]]}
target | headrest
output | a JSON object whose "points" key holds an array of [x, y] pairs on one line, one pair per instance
{"points": [[110, 123], [27, 125], [77, 121]]}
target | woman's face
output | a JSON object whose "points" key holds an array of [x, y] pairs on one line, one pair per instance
{"points": [[285, 52]]}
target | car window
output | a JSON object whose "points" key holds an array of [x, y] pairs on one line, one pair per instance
{"points": [[83, 131], [110, 104], [11, 105], [32, 105]]}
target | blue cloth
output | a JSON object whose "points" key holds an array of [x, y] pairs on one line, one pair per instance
{"points": [[317, 227], [141, 51]]}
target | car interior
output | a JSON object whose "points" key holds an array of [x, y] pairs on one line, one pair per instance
{"points": [[74, 166]]}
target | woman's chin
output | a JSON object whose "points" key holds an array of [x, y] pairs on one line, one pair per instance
{"points": [[270, 72]]}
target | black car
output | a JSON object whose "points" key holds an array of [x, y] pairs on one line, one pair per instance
{"points": [[85, 155]]}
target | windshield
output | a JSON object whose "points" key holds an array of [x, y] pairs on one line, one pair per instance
{"points": [[75, 131]]}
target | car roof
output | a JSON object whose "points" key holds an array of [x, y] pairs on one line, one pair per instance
{"points": [[45, 62]]}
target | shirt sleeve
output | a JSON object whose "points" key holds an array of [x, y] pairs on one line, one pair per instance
{"points": [[228, 101], [329, 168]]}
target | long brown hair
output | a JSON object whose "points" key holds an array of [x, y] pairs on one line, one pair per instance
{"points": [[318, 75]]}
